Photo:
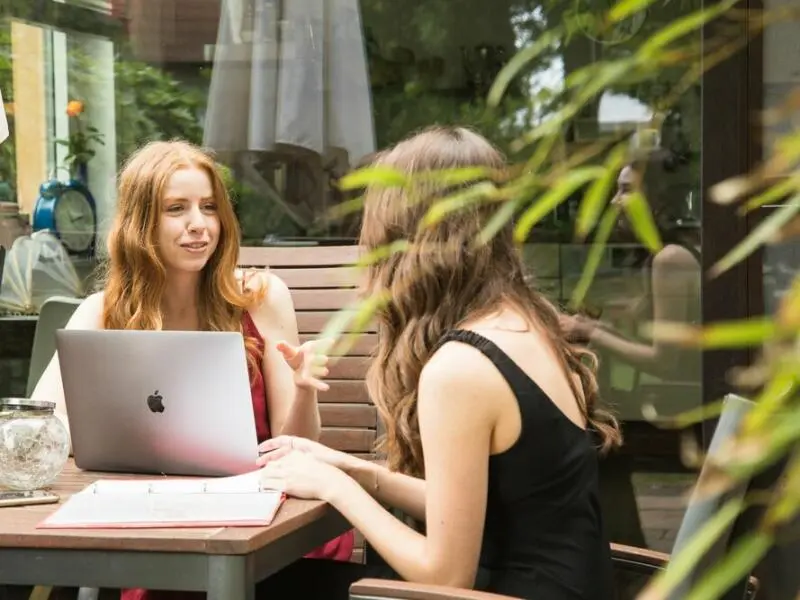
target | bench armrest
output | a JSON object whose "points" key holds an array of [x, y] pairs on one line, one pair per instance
{"points": [[401, 590]]}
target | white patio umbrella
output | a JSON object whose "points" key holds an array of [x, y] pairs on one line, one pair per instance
{"points": [[290, 74]]}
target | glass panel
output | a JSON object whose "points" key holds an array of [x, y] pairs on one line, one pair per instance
{"points": [[293, 94], [781, 72]]}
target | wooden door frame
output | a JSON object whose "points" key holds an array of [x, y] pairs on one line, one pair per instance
{"points": [[730, 98]]}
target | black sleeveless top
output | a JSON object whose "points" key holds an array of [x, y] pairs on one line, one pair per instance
{"points": [[543, 536]]}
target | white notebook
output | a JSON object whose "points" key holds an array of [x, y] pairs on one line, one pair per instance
{"points": [[238, 501]]}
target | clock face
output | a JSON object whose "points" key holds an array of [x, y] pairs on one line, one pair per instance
{"points": [[75, 221]]}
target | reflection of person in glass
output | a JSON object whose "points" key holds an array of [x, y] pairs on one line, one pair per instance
{"points": [[671, 284]]}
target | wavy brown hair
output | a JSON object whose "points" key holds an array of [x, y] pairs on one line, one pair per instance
{"points": [[135, 275], [443, 279]]}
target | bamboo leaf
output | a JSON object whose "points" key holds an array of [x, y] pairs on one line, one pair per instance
{"points": [[595, 255], [681, 27], [518, 62], [593, 201], [735, 565], [760, 235], [542, 207], [641, 218], [382, 253], [376, 175], [499, 219], [682, 564], [626, 8], [458, 176], [725, 334], [774, 194], [459, 201]]}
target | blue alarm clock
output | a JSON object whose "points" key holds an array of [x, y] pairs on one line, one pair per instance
{"points": [[69, 211]]}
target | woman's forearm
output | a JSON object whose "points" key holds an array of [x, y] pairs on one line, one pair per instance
{"points": [[399, 491], [303, 419]]}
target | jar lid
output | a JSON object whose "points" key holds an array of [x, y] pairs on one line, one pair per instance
{"points": [[26, 404]]}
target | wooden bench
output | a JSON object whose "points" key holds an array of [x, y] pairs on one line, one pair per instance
{"points": [[322, 281]]}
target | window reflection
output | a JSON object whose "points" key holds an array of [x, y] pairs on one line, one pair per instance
{"points": [[294, 93]]}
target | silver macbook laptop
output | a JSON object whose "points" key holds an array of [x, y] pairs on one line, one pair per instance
{"points": [[171, 402]]}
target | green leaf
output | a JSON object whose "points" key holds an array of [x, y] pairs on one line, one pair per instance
{"points": [[543, 43], [375, 175], [458, 176], [759, 236], [563, 188], [681, 27], [459, 201], [726, 334], [382, 253], [641, 218], [682, 564], [499, 220], [595, 255], [593, 201], [774, 194], [737, 564], [626, 8]]}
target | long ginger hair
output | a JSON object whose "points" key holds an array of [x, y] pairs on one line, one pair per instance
{"points": [[444, 278], [135, 275]]}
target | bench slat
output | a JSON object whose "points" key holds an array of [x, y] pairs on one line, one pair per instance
{"points": [[331, 299], [315, 321], [348, 439], [336, 414], [319, 277], [345, 391], [358, 344], [296, 256]]}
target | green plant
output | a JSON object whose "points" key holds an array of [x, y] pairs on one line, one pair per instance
{"points": [[544, 181], [81, 139]]}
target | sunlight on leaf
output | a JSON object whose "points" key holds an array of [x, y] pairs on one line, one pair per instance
{"points": [[347, 207], [776, 193], [787, 506], [499, 220], [376, 175], [742, 558], [563, 188], [761, 235], [626, 8], [641, 219], [382, 253], [683, 563], [681, 27], [458, 176], [594, 256], [472, 195], [726, 334], [778, 389], [730, 190], [596, 196]]}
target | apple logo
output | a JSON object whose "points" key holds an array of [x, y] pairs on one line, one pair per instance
{"points": [[155, 402]]}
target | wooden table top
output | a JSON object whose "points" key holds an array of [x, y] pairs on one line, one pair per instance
{"points": [[18, 526]]}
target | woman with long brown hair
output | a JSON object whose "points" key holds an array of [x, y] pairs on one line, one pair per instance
{"points": [[172, 256], [492, 419]]}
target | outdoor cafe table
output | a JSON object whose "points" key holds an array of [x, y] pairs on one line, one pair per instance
{"points": [[224, 561]]}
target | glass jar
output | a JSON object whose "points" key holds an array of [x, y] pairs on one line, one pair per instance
{"points": [[34, 444]]}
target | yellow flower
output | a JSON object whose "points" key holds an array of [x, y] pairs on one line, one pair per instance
{"points": [[74, 108]]}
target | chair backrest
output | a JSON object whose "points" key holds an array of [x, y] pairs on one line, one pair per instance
{"points": [[54, 314], [702, 508], [322, 281]]}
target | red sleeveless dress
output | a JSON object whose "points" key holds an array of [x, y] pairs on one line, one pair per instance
{"points": [[340, 548]]}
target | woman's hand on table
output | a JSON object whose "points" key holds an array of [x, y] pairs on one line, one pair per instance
{"points": [[308, 361], [282, 445], [301, 475]]}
